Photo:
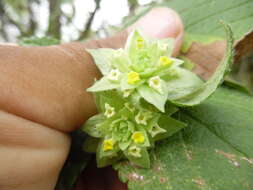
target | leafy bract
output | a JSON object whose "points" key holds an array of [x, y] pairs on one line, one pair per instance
{"points": [[205, 90], [102, 57]]}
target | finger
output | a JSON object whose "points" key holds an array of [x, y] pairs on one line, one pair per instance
{"points": [[31, 155]]}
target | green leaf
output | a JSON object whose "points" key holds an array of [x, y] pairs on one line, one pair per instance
{"points": [[36, 41], [214, 152], [237, 85], [211, 85], [103, 58], [202, 16], [102, 85]]}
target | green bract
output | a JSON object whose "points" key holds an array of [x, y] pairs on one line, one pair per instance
{"points": [[141, 88]]}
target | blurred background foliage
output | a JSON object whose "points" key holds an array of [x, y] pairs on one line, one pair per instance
{"points": [[66, 20]]}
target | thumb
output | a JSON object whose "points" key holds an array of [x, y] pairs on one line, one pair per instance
{"points": [[158, 23]]}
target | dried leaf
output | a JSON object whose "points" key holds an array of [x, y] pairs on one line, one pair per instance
{"points": [[206, 57]]}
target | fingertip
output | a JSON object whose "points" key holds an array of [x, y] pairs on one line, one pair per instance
{"points": [[161, 22]]}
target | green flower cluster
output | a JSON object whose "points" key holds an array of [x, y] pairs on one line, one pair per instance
{"points": [[128, 127], [142, 86], [144, 66]]}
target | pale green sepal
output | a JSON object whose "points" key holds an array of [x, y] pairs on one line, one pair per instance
{"points": [[130, 46], [105, 97], [186, 83], [102, 85], [103, 58], [153, 97], [124, 145], [121, 61]]}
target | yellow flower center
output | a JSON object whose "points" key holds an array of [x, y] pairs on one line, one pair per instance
{"points": [[138, 137], [108, 145], [156, 82], [141, 117], [140, 43], [133, 77], [165, 61]]}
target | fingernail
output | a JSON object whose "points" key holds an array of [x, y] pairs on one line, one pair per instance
{"points": [[159, 23]]}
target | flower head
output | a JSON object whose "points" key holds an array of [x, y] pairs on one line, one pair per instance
{"points": [[133, 77], [109, 110], [141, 118], [138, 137], [156, 83], [108, 145], [165, 61], [114, 75], [134, 151]]}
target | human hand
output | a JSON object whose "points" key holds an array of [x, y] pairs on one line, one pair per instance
{"points": [[43, 98]]}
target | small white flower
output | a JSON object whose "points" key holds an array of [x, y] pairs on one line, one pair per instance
{"points": [[156, 83], [141, 118], [134, 151], [118, 53], [127, 92], [156, 130], [114, 75], [109, 110], [162, 46]]}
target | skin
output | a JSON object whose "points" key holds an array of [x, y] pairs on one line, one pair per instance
{"points": [[43, 98]]}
